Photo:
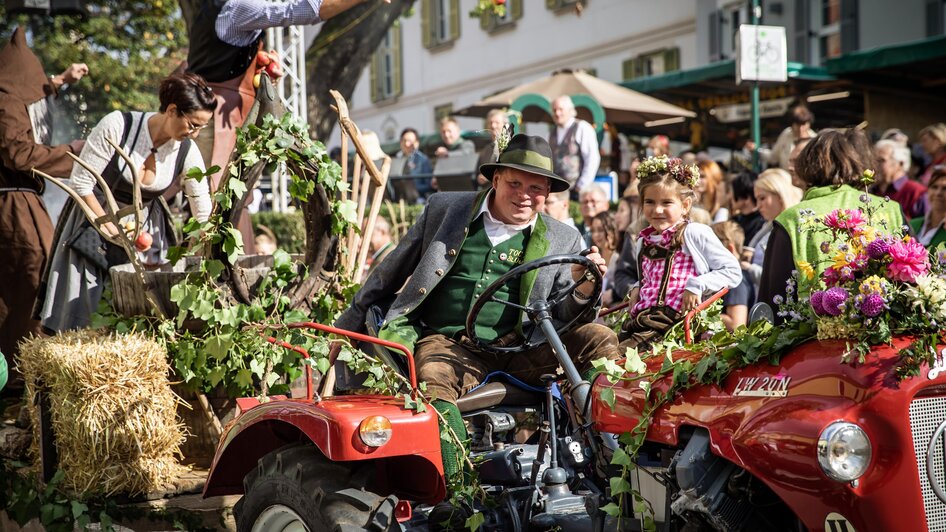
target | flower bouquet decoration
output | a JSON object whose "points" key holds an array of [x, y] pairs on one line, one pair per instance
{"points": [[874, 285]]}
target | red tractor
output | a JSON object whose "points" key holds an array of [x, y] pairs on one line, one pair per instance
{"points": [[809, 444]]}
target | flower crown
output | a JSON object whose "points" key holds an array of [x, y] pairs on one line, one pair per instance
{"points": [[687, 175]]}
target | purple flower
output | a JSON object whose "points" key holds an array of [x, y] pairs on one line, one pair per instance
{"points": [[872, 305], [833, 301], [817, 300], [877, 249]]}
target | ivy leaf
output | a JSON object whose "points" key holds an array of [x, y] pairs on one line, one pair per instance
{"points": [[232, 244], [244, 378], [621, 458], [347, 210], [619, 486], [213, 267], [475, 521], [634, 364], [607, 397], [215, 376], [611, 509], [322, 365], [218, 346], [237, 188]]}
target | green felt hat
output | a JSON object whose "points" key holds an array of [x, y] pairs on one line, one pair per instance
{"points": [[529, 154]]}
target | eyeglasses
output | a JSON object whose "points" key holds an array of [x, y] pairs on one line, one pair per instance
{"points": [[191, 128]]}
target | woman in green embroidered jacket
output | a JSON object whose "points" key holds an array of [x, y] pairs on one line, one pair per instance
{"points": [[830, 165], [930, 230]]}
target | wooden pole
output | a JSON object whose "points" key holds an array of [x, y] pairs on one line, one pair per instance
{"points": [[373, 215]]}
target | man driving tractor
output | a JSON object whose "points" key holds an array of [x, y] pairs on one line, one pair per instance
{"points": [[462, 243]]}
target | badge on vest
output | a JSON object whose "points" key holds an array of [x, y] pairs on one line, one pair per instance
{"points": [[514, 256]]}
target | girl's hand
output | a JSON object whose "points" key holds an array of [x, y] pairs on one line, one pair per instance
{"points": [[690, 301]]}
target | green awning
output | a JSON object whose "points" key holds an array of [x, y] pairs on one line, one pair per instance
{"points": [[888, 56], [721, 69]]}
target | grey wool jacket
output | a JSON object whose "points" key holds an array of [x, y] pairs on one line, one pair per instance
{"points": [[425, 255]]}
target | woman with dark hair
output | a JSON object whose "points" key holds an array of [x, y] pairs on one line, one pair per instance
{"points": [[829, 165], [159, 144]]}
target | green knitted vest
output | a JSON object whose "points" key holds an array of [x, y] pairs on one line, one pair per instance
{"points": [[478, 264], [806, 244]]}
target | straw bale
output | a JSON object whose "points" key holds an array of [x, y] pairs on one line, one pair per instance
{"points": [[112, 410]]}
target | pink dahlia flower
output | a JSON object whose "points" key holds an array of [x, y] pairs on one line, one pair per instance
{"points": [[909, 260], [846, 219]]}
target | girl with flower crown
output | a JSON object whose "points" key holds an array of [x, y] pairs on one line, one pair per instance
{"points": [[679, 261]]}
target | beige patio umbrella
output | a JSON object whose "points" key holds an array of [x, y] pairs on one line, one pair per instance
{"points": [[621, 105]]}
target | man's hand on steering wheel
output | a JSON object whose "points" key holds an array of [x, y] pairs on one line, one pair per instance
{"points": [[578, 271]]}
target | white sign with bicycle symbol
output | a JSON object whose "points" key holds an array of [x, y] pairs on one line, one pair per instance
{"points": [[761, 53]]}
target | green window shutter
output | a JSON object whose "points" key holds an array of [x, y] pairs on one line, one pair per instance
{"points": [[486, 21], [551, 4], [454, 20], [398, 74], [516, 8], [671, 59], [373, 78], [627, 69], [425, 23]]}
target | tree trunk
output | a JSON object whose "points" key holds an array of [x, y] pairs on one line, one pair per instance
{"points": [[339, 55]]}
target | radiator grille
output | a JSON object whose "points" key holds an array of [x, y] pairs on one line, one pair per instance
{"points": [[926, 414]]}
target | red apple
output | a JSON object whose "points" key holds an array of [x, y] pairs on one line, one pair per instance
{"points": [[274, 70], [262, 58], [143, 242], [499, 2]]}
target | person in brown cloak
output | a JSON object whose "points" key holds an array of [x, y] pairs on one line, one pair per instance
{"points": [[25, 228]]}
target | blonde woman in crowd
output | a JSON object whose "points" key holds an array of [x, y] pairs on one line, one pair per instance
{"points": [[774, 192]]}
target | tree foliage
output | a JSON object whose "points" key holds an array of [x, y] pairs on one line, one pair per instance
{"points": [[129, 47]]}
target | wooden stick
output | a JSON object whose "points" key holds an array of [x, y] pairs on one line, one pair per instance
{"points": [[210, 416], [353, 231], [136, 184], [344, 194], [360, 216], [112, 206], [346, 124], [373, 216]]}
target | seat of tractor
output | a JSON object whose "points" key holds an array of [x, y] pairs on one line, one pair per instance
{"points": [[497, 393]]}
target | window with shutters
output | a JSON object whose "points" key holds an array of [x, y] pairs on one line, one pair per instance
{"points": [[652, 63], [440, 22], [826, 28], [723, 26], [386, 75], [491, 23]]}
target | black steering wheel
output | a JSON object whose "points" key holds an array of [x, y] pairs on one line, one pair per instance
{"points": [[539, 309]]}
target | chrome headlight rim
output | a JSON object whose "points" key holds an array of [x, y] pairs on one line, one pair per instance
{"points": [[831, 436]]}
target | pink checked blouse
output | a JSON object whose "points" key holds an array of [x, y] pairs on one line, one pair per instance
{"points": [[652, 273]]}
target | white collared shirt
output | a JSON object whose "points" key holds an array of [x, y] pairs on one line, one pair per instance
{"points": [[496, 230]]}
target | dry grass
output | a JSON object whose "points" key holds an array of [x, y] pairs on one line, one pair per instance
{"points": [[112, 410]]}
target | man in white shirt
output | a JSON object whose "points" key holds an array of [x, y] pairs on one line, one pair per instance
{"points": [[574, 146]]}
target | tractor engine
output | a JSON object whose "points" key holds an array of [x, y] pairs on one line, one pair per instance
{"points": [[715, 492]]}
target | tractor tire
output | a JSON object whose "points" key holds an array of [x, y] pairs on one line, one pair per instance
{"points": [[296, 488]]}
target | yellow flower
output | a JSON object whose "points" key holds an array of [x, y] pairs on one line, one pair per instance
{"points": [[805, 269], [840, 260], [872, 285]]}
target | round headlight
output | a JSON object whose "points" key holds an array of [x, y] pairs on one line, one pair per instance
{"points": [[844, 451], [375, 431]]}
